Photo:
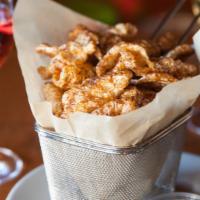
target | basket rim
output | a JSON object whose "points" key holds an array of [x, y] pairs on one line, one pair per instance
{"points": [[72, 140]]}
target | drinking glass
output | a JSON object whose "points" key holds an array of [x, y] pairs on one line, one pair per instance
{"points": [[10, 164], [6, 38]]}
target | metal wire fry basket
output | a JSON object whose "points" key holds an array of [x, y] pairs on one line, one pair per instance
{"points": [[79, 169]]}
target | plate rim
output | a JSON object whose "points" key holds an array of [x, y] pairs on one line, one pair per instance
{"points": [[23, 180], [40, 168]]}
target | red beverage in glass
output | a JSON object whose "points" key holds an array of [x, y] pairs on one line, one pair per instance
{"points": [[6, 38], [10, 164]]}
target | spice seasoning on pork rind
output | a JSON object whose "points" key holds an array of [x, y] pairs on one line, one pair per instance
{"points": [[112, 72]]}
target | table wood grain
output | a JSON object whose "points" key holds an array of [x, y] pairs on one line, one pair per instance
{"points": [[16, 122]]}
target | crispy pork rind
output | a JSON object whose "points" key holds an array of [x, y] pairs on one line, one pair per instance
{"points": [[180, 51], [48, 50], [85, 40], [44, 72], [66, 71], [167, 41], [125, 30], [119, 55], [160, 46], [68, 65], [108, 41], [161, 79], [151, 47], [54, 95], [133, 57], [126, 77], [116, 107], [131, 99], [176, 68], [140, 95], [93, 93], [116, 34], [71, 75]]}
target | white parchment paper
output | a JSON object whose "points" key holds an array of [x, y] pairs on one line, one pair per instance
{"points": [[39, 21]]}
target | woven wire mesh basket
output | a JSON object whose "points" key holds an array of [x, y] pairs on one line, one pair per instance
{"points": [[77, 169]]}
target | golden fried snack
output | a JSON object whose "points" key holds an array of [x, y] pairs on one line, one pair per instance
{"points": [[108, 41], [161, 79], [116, 107], [129, 56], [108, 61], [140, 95], [131, 99], [72, 74], [53, 94], [137, 61], [152, 48], [79, 100], [81, 30], [82, 39], [125, 103], [128, 72], [144, 70], [130, 92], [146, 97], [177, 68], [44, 72], [81, 44], [68, 65], [110, 85], [181, 51], [48, 50], [163, 44], [64, 58], [116, 34], [126, 30], [93, 93], [133, 57], [167, 41], [67, 69]]}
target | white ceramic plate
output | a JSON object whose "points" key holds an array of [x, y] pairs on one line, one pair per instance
{"points": [[34, 186]]}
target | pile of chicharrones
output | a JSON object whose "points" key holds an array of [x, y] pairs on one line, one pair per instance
{"points": [[112, 72]]}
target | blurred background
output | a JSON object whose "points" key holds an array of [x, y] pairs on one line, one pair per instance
{"points": [[16, 121], [136, 11], [112, 11]]}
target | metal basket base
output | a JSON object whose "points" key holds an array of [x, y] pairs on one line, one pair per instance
{"points": [[79, 173]]}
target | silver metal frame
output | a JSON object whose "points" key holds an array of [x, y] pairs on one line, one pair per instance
{"points": [[111, 149], [81, 169]]}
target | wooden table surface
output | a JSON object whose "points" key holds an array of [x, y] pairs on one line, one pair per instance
{"points": [[16, 122]]}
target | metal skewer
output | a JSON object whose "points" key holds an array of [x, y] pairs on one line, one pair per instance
{"points": [[185, 35], [172, 13], [167, 18]]}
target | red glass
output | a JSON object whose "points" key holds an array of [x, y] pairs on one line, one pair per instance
{"points": [[10, 164], [6, 38]]}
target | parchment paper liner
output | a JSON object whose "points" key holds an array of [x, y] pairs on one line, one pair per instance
{"points": [[38, 21]]}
